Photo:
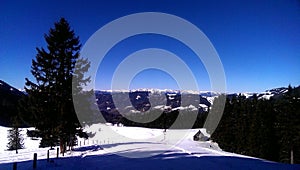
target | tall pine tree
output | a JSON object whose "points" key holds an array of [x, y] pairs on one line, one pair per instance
{"points": [[50, 96]]}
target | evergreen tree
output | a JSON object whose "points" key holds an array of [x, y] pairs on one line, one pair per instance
{"points": [[224, 133], [15, 138], [50, 96], [288, 125], [268, 129], [240, 112]]}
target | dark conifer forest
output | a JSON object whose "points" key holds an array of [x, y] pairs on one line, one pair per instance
{"points": [[268, 129]]}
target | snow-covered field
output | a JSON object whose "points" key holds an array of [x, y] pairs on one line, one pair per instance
{"points": [[141, 149]]}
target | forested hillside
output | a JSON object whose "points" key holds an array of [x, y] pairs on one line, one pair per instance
{"points": [[9, 98], [268, 129]]}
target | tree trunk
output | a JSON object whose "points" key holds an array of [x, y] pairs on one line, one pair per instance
{"points": [[292, 156], [62, 145], [17, 138]]}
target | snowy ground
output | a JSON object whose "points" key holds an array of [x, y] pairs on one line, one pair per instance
{"points": [[143, 149]]}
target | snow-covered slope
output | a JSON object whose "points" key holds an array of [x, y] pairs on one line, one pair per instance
{"points": [[104, 153]]}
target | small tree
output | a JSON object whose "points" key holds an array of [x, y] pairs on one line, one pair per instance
{"points": [[15, 139]]}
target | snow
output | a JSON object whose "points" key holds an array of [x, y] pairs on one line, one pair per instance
{"points": [[190, 92], [162, 107], [172, 94], [203, 105], [190, 107], [266, 96], [211, 99], [128, 107], [28, 143], [247, 94], [134, 111], [171, 97], [144, 149], [169, 91]]}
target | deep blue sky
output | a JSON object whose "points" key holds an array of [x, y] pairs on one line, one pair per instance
{"points": [[258, 41]]}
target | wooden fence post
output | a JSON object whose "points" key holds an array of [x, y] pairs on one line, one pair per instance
{"points": [[48, 156], [34, 160], [57, 152], [15, 166]]}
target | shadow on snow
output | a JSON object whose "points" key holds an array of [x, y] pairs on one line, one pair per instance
{"points": [[166, 160]]}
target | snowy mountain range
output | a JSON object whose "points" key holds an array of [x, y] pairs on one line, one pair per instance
{"points": [[140, 99], [134, 101]]}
